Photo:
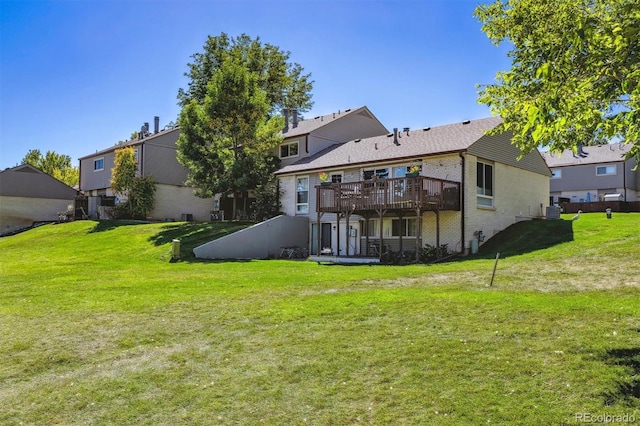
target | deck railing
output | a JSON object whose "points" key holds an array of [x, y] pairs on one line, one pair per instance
{"points": [[406, 193]]}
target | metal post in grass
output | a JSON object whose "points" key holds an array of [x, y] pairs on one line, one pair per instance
{"points": [[495, 265]]}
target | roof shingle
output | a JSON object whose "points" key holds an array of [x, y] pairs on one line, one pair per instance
{"points": [[414, 143]]}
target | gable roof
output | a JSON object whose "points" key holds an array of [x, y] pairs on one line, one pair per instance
{"points": [[307, 126], [428, 141], [28, 181], [597, 154], [133, 142]]}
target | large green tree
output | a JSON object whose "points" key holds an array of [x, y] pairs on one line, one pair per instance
{"points": [[230, 121], [575, 71], [57, 165], [285, 83], [226, 141]]}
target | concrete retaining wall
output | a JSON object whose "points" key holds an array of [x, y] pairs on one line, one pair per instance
{"points": [[260, 241]]}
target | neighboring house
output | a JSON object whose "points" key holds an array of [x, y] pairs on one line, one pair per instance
{"points": [[29, 195], [469, 186], [593, 173], [157, 156]]}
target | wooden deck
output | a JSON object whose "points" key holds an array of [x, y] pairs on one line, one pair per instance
{"points": [[408, 193]]}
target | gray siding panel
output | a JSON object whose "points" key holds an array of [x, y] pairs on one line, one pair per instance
{"points": [[499, 148], [91, 179], [30, 183], [583, 177], [161, 162]]}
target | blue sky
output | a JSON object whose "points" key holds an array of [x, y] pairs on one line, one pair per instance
{"points": [[78, 76]]}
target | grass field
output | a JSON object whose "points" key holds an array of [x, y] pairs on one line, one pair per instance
{"points": [[99, 327]]}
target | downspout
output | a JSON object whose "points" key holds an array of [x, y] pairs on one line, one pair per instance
{"points": [[462, 237], [624, 179], [79, 175], [141, 159]]}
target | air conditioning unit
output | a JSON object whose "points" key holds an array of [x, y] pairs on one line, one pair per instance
{"points": [[553, 212]]}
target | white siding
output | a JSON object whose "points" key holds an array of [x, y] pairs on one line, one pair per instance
{"points": [[518, 195]]}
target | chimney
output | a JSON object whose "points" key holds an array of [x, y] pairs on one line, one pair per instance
{"points": [[285, 112], [294, 123], [395, 136], [156, 124]]}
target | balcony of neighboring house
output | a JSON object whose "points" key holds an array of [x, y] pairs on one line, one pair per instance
{"points": [[419, 194]]}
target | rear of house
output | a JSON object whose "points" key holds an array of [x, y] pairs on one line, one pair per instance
{"points": [[157, 156], [468, 187]]}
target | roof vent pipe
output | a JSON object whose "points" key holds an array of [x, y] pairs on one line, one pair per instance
{"points": [[285, 112]]}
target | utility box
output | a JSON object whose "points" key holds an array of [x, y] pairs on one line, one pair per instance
{"points": [[175, 249], [474, 246]]}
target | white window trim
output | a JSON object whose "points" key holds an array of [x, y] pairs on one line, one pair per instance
{"points": [[493, 187], [615, 170], [299, 206], [387, 169], [405, 233], [296, 143], [95, 160], [332, 174]]}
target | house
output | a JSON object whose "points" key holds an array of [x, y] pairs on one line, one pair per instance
{"points": [[304, 139], [592, 174], [157, 156], [29, 195], [451, 184]]}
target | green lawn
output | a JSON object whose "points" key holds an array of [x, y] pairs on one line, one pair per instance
{"points": [[98, 327]]}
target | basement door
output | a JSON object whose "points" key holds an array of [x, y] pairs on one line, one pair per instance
{"points": [[325, 237]]}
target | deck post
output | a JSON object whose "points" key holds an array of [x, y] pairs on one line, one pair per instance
{"points": [[318, 235], [418, 233], [438, 233]]}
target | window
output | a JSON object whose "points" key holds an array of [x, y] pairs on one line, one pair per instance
{"points": [[373, 230], [336, 177], [485, 184], [403, 171], [98, 164], [379, 173], [556, 173], [605, 170], [288, 150], [302, 195], [404, 227]]}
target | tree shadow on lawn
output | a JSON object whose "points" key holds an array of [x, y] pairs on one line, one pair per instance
{"points": [[192, 235], [525, 237], [109, 225], [625, 389]]}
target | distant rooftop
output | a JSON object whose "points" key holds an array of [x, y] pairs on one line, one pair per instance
{"points": [[610, 153]]}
